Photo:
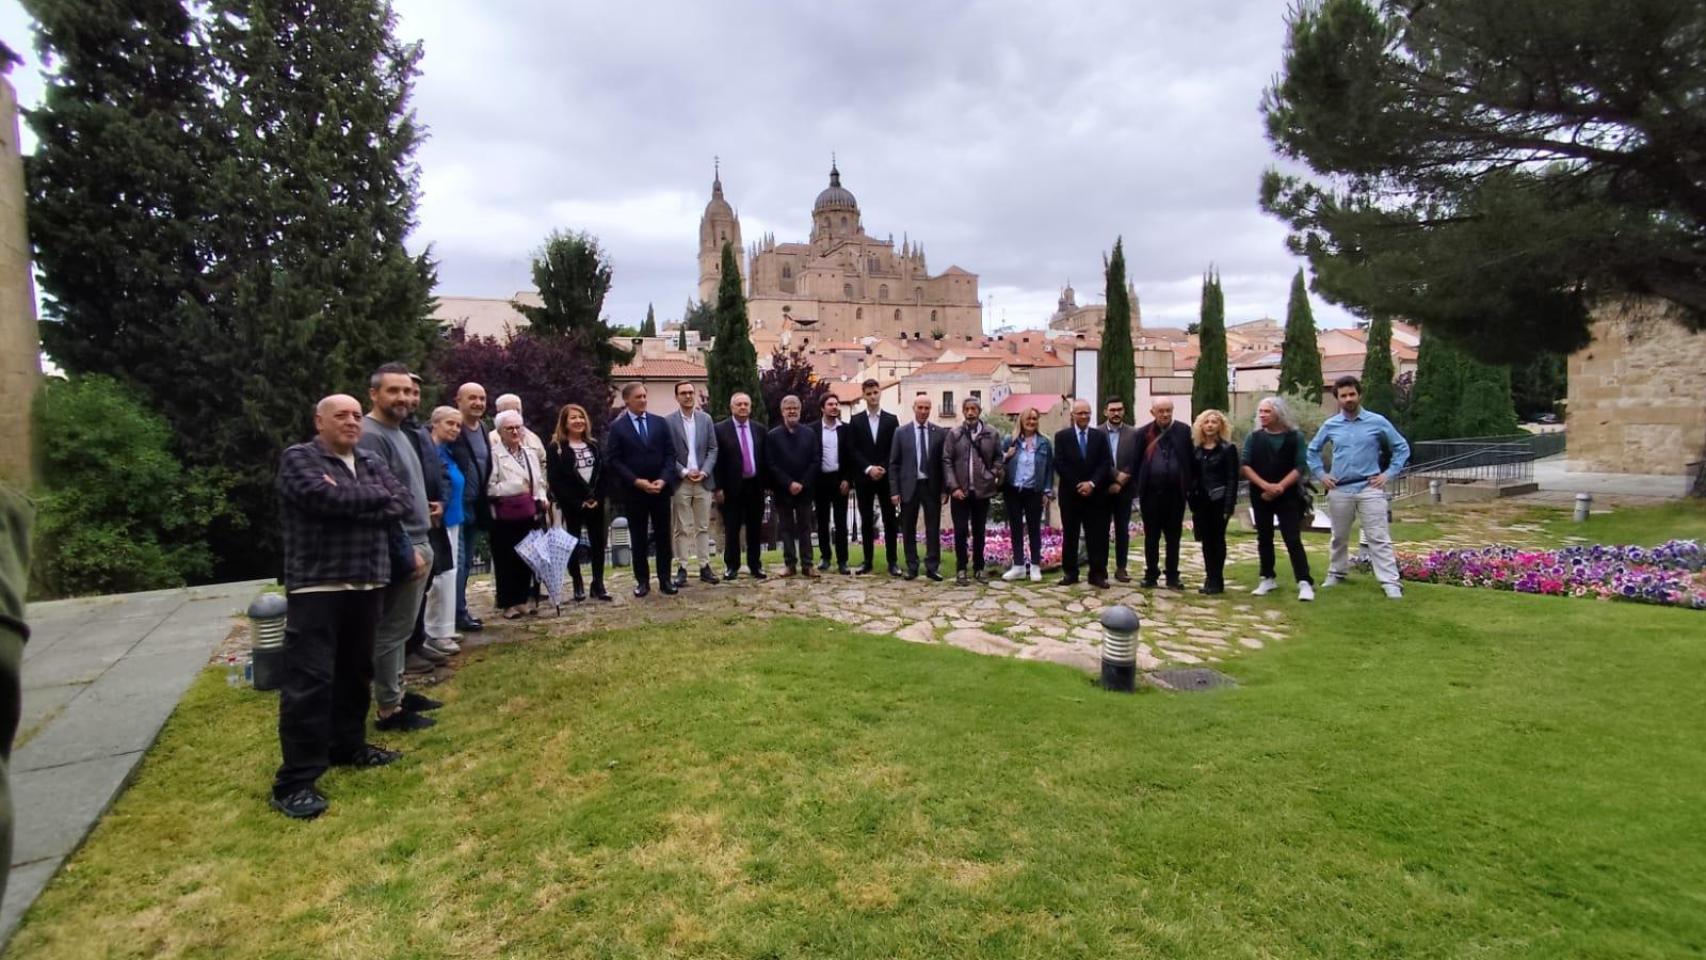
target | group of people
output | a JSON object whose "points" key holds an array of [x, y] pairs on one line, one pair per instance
{"points": [[381, 514]]}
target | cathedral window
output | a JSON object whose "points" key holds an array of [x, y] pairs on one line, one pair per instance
{"points": [[858, 313], [918, 294], [932, 316], [883, 292], [787, 272], [844, 222], [897, 315], [847, 291]]}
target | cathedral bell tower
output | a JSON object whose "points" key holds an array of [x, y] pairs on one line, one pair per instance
{"points": [[717, 227]]}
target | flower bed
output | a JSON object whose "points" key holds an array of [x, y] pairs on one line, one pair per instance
{"points": [[1669, 574], [998, 547]]}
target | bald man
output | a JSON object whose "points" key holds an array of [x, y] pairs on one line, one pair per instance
{"points": [[472, 452], [1085, 465], [1166, 472], [339, 506]]}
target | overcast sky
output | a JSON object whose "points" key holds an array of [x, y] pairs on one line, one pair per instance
{"points": [[1015, 139]]}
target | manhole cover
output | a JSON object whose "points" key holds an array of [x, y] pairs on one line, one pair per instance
{"points": [[1188, 679]]}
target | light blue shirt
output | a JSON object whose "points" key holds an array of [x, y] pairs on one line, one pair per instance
{"points": [[1356, 448], [1025, 464]]}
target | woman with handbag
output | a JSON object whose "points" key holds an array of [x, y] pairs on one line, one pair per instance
{"points": [[1275, 465], [575, 470], [1215, 495], [518, 498]]}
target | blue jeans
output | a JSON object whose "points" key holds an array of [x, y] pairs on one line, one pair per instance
{"points": [[464, 561]]}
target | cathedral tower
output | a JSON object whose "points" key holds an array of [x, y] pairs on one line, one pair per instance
{"points": [[835, 215], [718, 226]]}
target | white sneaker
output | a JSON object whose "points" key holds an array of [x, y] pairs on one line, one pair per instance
{"points": [[1305, 592], [1267, 586], [442, 645], [1036, 572], [1393, 591], [1015, 572], [1333, 580]]}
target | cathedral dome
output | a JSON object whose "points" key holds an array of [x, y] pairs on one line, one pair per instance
{"points": [[718, 208], [834, 197]]}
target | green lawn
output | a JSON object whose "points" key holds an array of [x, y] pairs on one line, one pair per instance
{"points": [[1678, 520], [1462, 774]]}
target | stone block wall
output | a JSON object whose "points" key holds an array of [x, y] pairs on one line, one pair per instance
{"points": [[20, 368], [1637, 393]]}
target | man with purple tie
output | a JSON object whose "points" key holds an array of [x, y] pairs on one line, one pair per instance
{"points": [[739, 492]]}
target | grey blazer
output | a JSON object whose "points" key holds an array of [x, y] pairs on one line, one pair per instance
{"points": [[1125, 458], [704, 443], [903, 462]]}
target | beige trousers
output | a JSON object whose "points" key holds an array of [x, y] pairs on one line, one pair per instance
{"points": [[692, 522]]}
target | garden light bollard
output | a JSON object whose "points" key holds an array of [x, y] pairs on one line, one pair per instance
{"points": [[1120, 624], [266, 639], [620, 543], [1436, 491], [1584, 506]]}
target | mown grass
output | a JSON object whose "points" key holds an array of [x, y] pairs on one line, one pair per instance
{"points": [[1645, 526], [1462, 774]]}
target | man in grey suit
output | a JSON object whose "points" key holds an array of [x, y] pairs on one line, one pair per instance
{"points": [[915, 483], [695, 459], [1122, 443]]}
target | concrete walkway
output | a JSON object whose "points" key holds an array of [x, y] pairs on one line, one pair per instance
{"points": [[1555, 475], [100, 677]]}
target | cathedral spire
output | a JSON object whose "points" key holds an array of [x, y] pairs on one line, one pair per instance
{"points": [[716, 177]]}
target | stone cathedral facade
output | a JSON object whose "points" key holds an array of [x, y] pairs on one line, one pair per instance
{"points": [[842, 284]]}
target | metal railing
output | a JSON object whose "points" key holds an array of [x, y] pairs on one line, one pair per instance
{"points": [[1531, 446], [1501, 460]]}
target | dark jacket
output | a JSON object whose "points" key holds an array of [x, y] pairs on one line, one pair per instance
{"points": [[794, 457], [843, 453], [972, 465], [729, 462], [1095, 464], [1217, 477], [1125, 460], [436, 477], [567, 485], [474, 480], [903, 463], [1175, 441], [868, 453], [338, 531], [628, 458]]}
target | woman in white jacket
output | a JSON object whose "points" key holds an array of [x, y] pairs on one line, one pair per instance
{"points": [[518, 499]]}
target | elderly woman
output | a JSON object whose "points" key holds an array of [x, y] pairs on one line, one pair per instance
{"points": [[440, 622], [1214, 496], [1029, 471], [518, 498], [1275, 466]]}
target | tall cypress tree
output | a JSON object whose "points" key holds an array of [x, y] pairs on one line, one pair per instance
{"points": [[681, 340], [1432, 413], [649, 326], [1377, 373], [1485, 409], [120, 194], [733, 361], [1208, 380], [1116, 369], [572, 274], [1300, 359]]}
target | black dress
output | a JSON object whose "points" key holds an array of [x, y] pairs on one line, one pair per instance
{"points": [[1214, 497]]}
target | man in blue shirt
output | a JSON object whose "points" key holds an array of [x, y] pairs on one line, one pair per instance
{"points": [[1356, 489]]}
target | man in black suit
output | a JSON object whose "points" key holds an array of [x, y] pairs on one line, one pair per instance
{"points": [[740, 473], [795, 461], [639, 451], [915, 484], [829, 494], [1121, 438], [1085, 466], [871, 437], [1166, 473]]}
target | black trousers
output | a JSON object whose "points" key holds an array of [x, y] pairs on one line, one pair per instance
{"points": [[972, 511], [1119, 505], [830, 505], [328, 677], [1163, 512], [1208, 522], [927, 500], [1089, 515], [513, 577], [588, 524], [743, 511], [1025, 521], [873, 496], [648, 519], [1288, 510], [794, 522]]}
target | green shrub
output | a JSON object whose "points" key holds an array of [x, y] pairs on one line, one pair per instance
{"points": [[117, 512]]}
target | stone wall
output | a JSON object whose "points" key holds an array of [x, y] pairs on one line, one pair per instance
{"points": [[20, 371], [1637, 393]]}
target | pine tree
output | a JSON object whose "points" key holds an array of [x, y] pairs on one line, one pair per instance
{"points": [[733, 361], [1116, 369], [1208, 380], [572, 274], [119, 194], [1377, 374], [1300, 357], [649, 326]]}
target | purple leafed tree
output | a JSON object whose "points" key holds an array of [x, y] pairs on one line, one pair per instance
{"points": [[545, 372], [791, 372]]}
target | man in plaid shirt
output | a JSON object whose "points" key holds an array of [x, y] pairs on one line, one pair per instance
{"points": [[339, 508]]}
